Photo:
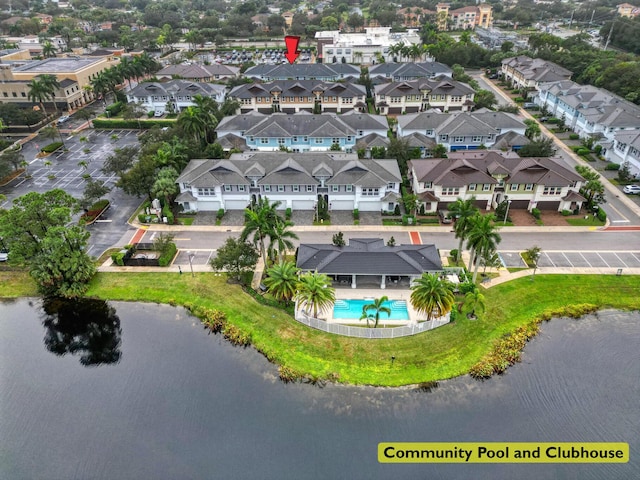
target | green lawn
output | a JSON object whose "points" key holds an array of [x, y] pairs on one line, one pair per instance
{"points": [[592, 221], [446, 352]]}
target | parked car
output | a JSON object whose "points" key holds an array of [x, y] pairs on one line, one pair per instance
{"points": [[4, 255], [529, 105], [158, 113], [445, 216], [63, 119], [632, 189]]}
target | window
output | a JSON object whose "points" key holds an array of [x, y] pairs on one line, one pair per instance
{"points": [[206, 192], [528, 187], [458, 139], [335, 140], [295, 188], [552, 190], [281, 141], [349, 138], [259, 99], [486, 187], [349, 188], [391, 186], [309, 188], [456, 98], [370, 192], [227, 188], [295, 139], [450, 191], [266, 188], [251, 139], [280, 188], [476, 139], [514, 187], [472, 187], [318, 140], [305, 139], [5, 94], [264, 141], [241, 188], [427, 185], [14, 94]]}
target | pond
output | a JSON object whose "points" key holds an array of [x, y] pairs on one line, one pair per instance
{"points": [[124, 390]]}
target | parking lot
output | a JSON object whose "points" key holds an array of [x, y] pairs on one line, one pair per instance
{"points": [[586, 259]]}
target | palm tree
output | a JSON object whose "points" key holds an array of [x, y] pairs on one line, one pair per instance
{"points": [[198, 123], [315, 292], [51, 84], [40, 91], [377, 307], [48, 50], [430, 294], [473, 301], [281, 236], [483, 239], [260, 220], [462, 211], [282, 280], [165, 184]]}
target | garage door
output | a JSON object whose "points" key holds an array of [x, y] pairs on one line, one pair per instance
{"points": [[369, 206], [548, 205], [208, 206], [236, 204], [341, 204], [303, 204], [520, 204]]}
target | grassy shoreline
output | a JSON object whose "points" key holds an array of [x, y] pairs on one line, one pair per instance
{"points": [[443, 353]]}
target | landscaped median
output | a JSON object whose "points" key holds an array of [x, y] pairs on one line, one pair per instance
{"points": [[446, 352]]}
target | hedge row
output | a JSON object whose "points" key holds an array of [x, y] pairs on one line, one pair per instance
{"points": [[131, 124], [166, 257], [52, 147]]}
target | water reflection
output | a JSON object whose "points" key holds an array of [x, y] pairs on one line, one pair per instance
{"points": [[84, 327]]}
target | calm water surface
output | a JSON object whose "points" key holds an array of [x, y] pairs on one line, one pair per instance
{"points": [[144, 393]]}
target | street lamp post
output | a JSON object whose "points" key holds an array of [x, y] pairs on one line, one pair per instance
{"points": [[506, 214], [191, 255]]}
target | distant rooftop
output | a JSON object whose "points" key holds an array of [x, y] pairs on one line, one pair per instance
{"points": [[57, 65]]}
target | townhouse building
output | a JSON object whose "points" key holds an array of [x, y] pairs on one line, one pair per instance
{"points": [[462, 131], [300, 132], [292, 96], [493, 177], [174, 95], [443, 93], [401, 72], [297, 180], [526, 72], [464, 18], [198, 73], [596, 113], [303, 71]]}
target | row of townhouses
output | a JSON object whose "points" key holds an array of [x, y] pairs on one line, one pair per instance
{"points": [[174, 95], [402, 72], [302, 132], [492, 177], [303, 71], [527, 72], [413, 96], [297, 180], [593, 112]]}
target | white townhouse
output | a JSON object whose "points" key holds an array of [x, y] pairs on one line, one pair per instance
{"points": [[442, 93], [402, 72], [493, 177], [303, 71], [527, 72], [296, 180], [173, 95]]}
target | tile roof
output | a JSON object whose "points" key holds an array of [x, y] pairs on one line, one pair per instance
{"points": [[302, 70], [368, 256], [176, 87], [297, 88], [410, 70]]}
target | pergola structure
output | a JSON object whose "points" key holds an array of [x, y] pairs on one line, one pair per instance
{"points": [[369, 259]]}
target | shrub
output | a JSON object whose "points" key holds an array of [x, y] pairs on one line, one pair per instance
{"points": [[52, 147], [220, 213], [131, 124], [356, 214], [554, 120], [166, 212], [597, 149], [536, 213], [288, 374], [583, 151], [396, 210], [114, 109], [150, 114], [214, 320], [236, 336], [601, 214], [454, 253], [118, 258], [518, 100], [566, 213], [166, 258], [574, 136], [612, 166], [287, 213], [144, 218], [408, 220]]}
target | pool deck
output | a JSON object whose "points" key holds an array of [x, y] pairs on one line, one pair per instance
{"points": [[369, 293]]}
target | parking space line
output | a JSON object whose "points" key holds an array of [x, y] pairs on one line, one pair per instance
{"points": [[635, 256], [568, 259], [585, 259], [549, 258], [621, 261], [605, 262]]}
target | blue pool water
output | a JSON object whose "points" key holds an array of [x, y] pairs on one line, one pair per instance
{"points": [[353, 309]]}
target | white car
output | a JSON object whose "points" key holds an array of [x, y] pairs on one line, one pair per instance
{"points": [[158, 113], [63, 119], [4, 256], [632, 189]]}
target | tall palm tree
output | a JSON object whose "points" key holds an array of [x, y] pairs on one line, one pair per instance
{"points": [[39, 92], [315, 292], [51, 84], [165, 185], [194, 123], [260, 220], [280, 236], [48, 50], [430, 294], [282, 280], [376, 308], [483, 239], [462, 211]]}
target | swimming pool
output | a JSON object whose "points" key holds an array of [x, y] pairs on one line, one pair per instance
{"points": [[348, 308]]}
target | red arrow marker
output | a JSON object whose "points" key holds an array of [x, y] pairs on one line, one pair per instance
{"points": [[292, 48]]}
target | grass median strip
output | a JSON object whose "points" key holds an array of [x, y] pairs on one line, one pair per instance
{"points": [[443, 353]]}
